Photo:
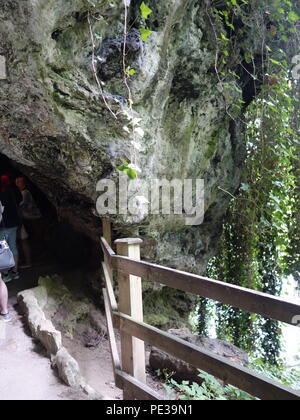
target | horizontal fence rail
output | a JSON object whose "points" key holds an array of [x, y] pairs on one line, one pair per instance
{"points": [[137, 388], [238, 297], [246, 299], [217, 366]]}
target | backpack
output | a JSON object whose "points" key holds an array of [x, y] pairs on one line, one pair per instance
{"points": [[6, 257]]}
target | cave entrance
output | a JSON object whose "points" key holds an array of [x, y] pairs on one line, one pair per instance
{"points": [[66, 267], [35, 235], [55, 245]]}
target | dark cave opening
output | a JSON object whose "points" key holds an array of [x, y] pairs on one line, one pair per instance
{"points": [[52, 239]]}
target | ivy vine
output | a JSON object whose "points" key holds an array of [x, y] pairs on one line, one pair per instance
{"points": [[260, 243], [134, 123]]}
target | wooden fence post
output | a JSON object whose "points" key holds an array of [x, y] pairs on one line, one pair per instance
{"points": [[107, 235], [106, 226], [131, 303]]}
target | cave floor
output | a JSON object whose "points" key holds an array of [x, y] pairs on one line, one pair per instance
{"points": [[26, 372], [25, 369]]}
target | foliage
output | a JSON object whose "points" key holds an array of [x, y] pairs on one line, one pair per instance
{"points": [[212, 389], [290, 377], [261, 239], [204, 314], [145, 12], [126, 169]]}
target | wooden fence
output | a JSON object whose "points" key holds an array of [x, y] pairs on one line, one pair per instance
{"points": [[127, 317]]}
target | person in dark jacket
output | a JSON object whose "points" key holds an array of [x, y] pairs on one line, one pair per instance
{"points": [[10, 199]]}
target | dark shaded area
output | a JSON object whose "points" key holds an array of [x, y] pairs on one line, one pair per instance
{"points": [[52, 240], [56, 34], [183, 87], [250, 78], [69, 246], [110, 54]]}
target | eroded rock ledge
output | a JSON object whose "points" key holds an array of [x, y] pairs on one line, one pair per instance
{"points": [[55, 127]]}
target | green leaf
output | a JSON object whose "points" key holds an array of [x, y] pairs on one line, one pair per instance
{"points": [[293, 17], [275, 62], [132, 174], [145, 33], [145, 10], [122, 168], [224, 37], [130, 71]]}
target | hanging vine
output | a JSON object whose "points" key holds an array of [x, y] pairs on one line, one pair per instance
{"points": [[133, 127], [261, 239]]}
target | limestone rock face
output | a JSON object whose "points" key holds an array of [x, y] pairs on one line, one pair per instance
{"points": [[55, 126]]}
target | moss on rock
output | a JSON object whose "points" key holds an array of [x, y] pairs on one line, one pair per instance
{"points": [[167, 308]]}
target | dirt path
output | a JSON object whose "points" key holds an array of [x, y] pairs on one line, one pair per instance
{"points": [[95, 366], [25, 368], [25, 371]]}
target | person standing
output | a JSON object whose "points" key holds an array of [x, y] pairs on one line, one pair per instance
{"points": [[4, 314], [31, 216], [10, 199], [29, 209]]}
